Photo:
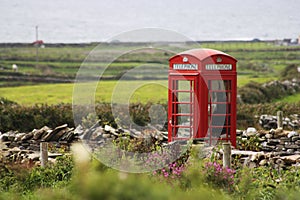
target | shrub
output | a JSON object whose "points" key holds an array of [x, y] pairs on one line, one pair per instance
{"points": [[25, 180], [218, 176]]}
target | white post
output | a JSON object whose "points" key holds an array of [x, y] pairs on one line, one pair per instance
{"points": [[226, 155], [44, 153], [279, 119]]}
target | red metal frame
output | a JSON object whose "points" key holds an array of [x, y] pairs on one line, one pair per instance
{"points": [[195, 67], [175, 110]]}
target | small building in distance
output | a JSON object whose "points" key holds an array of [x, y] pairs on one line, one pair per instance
{"points": [[39, 43]]}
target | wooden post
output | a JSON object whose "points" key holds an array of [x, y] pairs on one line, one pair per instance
{"points": [[44, 153], [226, 155], [279, 119]]}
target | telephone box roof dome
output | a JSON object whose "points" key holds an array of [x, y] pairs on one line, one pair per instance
{"points": [[203, 53]]}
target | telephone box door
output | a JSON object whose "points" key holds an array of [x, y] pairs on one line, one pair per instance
{"points": [[183, 106], [221, 107]]}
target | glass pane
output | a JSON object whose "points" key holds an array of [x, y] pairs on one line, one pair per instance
{"points": [[216, 132], [218, 120], [184, 108], [218, 96], [217, 85], [185, 85], [184, 120], [184, 133], [184, 97], [219, 108]]}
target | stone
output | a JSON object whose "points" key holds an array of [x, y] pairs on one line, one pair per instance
{"points": [[290, 151], [269, 136], [291, 146], [292, 159], [108, 128], [78, 130], [279, 130], [297, 142], [252, 165], [51, 134], [291, 134], [27, 136], [106, 135], [295, 138], [251, 131], [3, 138], [239, 132], [279, 147], [273, 141], [15, 149], [263, 162], [59, 134], [272, 131], [18, 136], [135, 134], [38, 134]]}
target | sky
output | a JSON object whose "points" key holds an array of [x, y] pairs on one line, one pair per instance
{"points": [[100, 20]]}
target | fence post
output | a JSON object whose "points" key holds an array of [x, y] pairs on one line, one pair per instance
{"points": [[44, 153], [226, 155], [279, 119]]}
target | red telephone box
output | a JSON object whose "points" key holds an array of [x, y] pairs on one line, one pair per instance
{"points": [[202, 96]]}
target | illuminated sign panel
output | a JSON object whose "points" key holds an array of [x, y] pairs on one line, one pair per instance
{"points": [[218, 67], [185, 66]]}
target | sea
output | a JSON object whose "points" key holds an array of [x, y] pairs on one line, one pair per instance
{"points": [[78, 21]]}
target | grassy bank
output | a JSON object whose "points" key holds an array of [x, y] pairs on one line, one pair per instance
{"points": [[143, 91]]}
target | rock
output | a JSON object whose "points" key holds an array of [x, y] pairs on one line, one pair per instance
{"points": [[3, 138], [52, 134], [296, 165], [295, 138], [269, 136], [273, 141], [283, 140], [291, 134], [272, 131], [18, 136], [108, 128], [263, 162], [27, 136], [279, 147], [106, 135], [135, 134], [68, 137], [15, 150], [251, 131], [292, 159], [279, 130], [252, 165], [291, 146], [60, 134], [38, 134], [9, 136], [297, 142], [239, 132], [96, 133], [78, 130], [290, 151]]}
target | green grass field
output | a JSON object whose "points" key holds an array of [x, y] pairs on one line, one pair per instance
{"points": [[257, 61], [143, 91], [290, 99], [122, 91]]}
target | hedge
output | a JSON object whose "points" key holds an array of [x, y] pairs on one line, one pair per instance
{"points": [[27, 118]]}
